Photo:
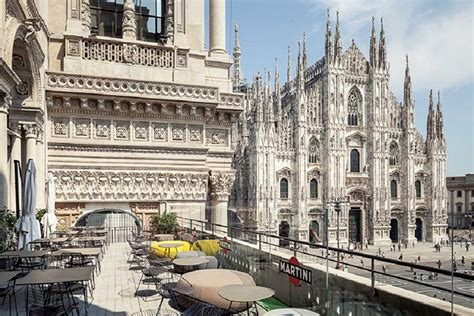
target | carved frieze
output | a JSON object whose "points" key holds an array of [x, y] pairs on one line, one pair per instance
{"points": [[102, 129], [98, 185], [82, 127], [122, 130], [141, 130], [160, 132], [178, 133], [195, 133], [221, 183], [285, 173], [216, 137], [60, 127]]}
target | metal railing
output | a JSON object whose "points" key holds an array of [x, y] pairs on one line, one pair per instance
{"points": [[266, 241]]}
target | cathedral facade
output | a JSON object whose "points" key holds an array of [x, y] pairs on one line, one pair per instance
{"points": [[335, 132]]}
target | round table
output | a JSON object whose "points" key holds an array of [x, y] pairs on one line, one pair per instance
{"points": [[291, 312], [168, 246], [207, 282], [190, 261], [244, 294], [163, 237]]}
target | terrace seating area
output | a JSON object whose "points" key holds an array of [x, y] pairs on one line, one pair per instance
{"points": [[74, 272]]}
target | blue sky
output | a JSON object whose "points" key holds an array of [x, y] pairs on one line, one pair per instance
{"points": [[437, 35]]}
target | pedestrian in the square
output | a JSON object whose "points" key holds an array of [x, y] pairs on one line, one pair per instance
{"points": [[413, 244], [439, 263], [419, 259], [401, 257]]}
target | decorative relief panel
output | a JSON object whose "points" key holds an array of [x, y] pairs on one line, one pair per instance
{"points": [[217, 137], [195, 133], [141, 130], [122, 130], [102, 129], [160, 132], [96, 185], [59, 127], [178, 133], [82, 127]]}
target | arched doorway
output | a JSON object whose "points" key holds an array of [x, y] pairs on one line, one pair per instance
{"points": [[419, 229], [394, 230], [355, 222], [284, 231], [314, 236], [119, 223]]}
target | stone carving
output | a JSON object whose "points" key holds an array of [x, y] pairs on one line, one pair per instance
{"points": [[82, 128], [68, 213], [98, 185], [122, 130], [216, 137], [181, 59], [130, 53], [355, 62], [70, 83], [73, 48], [285, 173], [177, 133], [234, 100], [129, 24], [169, 21], [221, 183], [60, 127], [141, 130], [18, 61], [102, 129], [195, 133], [160, 132], [86, 16], [23, 88]]}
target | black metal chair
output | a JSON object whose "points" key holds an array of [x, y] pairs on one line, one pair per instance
{"points": [[9, 291]]}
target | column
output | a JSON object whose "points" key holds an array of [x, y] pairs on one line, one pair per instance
{"points": [[15, 142], [5, 103], [41, 170], [31, 134], [129, 24], [221, 183], [217, 27]]}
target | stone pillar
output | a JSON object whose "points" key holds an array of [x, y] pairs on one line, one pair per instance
{"points": [[129, 24], [15, 142], [217, 27], [31, 135], [5, 102], [41, 170], [221, 183], [86, 16]]}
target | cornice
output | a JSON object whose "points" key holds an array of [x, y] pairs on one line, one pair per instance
{"points": [[127, 149]]}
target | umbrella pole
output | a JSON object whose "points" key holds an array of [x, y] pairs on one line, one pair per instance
{"points": [[17, 186]]}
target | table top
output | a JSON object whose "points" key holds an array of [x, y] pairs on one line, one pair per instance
{"points": [[59, 239], [24, 253], [51, 276], [91, 238], [245, 293], [291, 312], [170, 245], [6, 276], [95, 251], [191, 261]]}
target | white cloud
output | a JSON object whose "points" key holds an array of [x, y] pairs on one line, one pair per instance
{"points": [[436, 35]]}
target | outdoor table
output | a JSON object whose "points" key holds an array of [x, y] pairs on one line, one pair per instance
{"points": [[6, 276], [168, 247], [89, 252], [24, 253], [163, 237], [206, 283], [291, 312], [189, 264], [244, 294], [89, 239], [58, 240], [56, 276]]}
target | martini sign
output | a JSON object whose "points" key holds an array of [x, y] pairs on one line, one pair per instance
{"points": [[296, 273]]}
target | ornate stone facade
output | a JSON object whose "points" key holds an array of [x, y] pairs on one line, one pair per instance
{"points": [[337, 131]]}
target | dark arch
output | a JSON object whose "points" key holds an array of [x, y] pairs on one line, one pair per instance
{"points": [[313, 189], [418, 188], [393, 189], [355, 160], [284, 231], [283, 188], [394, 230], [419, 229], [314, 236]]}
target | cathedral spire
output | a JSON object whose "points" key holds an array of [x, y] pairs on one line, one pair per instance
{"points": [[382, 49], [439, 116], [305, 53], [338, 41], [300, 71], [407, 85], [430, 126], [269, 103], [373, 45], [288, 68], [329, 45], [237, 54], [277, 88]]}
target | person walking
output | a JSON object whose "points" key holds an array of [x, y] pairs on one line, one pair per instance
{"points": [[401, 257], [439, 263]]}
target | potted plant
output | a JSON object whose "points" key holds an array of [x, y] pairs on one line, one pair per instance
{"points": [[165, 223], [7, 230]]}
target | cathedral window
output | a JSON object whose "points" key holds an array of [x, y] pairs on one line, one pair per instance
{"points": [[353, 109], [394, 154], [283, 188], [314, 151], [313, 189], [150, 19], [355, 160], [418, 188], [106, 17], [393, 189]]}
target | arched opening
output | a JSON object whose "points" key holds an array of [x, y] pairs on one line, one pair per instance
{"points": [[119, 223], [283, 188], [355, 160], [314, 236], [393, 189], [22, 67], [355, 223], [353, 108], [284, 231], [419, 229], [394, 230], [418, 188], [394, 154], [313, 152], [313, 189]]}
